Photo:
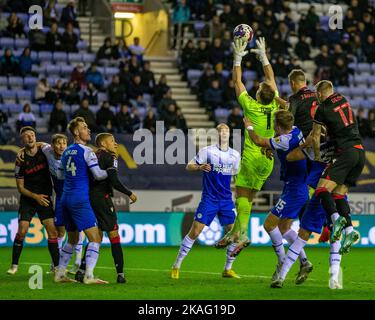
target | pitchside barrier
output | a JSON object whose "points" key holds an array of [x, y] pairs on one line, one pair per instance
{"points": [[168, 229]]}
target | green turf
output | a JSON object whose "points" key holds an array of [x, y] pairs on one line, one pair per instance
{"points": [[148, 276]]}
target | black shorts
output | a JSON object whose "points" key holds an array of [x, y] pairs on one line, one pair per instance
{"points": [[346, 167], [104, 211], [29, 207]]}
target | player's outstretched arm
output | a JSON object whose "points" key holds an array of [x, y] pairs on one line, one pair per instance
{"points": [[116, 184], [260, 142], [93, 164], [193, 166], [239, 52]]}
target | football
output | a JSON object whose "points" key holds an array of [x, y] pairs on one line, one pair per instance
{"points": [[243, 31]]}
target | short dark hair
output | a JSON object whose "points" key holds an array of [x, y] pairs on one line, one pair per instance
{"points": [[101, 137], [284, 119], [27, 128], [267, 94]]}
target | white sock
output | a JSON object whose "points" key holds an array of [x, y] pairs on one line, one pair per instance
{"points": [[185, 247], [291, 236], [65, 256], [349, 229], [334, 217], [92, 256], [292, 255], [230, 260], [78, 250], [60, 242], [335, 259], [277, 243]]}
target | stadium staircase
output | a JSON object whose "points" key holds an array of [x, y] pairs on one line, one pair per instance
{"points": [[195, 116], [98, 34]]}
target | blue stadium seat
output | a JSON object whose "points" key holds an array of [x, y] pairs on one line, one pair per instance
{"points": [[357, 91], [6, 43], [373, 67], [357, 102], [52, 69], [41, 70], [360, 79], [370, 93], [226, 73], [363, 67], [82, 45], [345, 91], [88, 57], [21, 43], [9, 96], [46, 108], [73, 108], [94, 108], [371, 81], [24, 96], [102, 97], [249, 75], [66, 70], [30, 82], [24, 17], [45, 56], [221, 114], [60, 57], [15, 82], [111, 71], [34, 55], [3, 81], [74, 58], [367, 104], [35, 108], [14, 108]]}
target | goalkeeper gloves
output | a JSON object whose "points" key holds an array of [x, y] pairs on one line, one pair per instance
{"points": [[260, 51], [239, 52]]}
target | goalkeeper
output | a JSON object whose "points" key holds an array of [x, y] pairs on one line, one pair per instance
{"points": [[256, 163]]}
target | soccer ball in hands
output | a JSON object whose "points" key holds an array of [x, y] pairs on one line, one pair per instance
{"points": [[244, 32]]}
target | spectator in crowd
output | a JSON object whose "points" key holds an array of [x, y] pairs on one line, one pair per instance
{"points": [[6, 131], [37, 40], [71, 93], [124, 120], [82, 5], [165, 102], [54, 38], [188, 57], [43, 92], [170, 117], [15, 27], [136, 49], [213, 96], [147, 78], [202, 53], [25, 62], [302, 49], [79, 76], [136, 89], [160, 89], [369, 22], [121, 50], [280, 68], [350, 23], [26, 118], [323, 59], [311, 21], [181, 15], [116, 91], [227, 17], [369, 48], [204, 81], [217, 52], [87, 114], [15, 6], [240, 16], [3, 24], [202, 10], [181, 121], [9, 64], [50, 15], [218, 28], [357, 9], [58, 119], [235, 119], [106, 51], [94, 76], [105, 118], [230, 98], [371, 124], [149, 122], [337, 53], [340, 73], [357, 48], [91, 94], [258, 14], [69, 15], [70, 39], [362, 122], [134, 66], [136, 120], [58, 88], [125, 75]]}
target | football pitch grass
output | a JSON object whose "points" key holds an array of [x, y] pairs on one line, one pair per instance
{"points": [[147, 271]]}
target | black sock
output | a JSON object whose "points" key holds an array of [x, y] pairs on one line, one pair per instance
{"points": [[118, 256], [53, 248], [17, 248], [82, 267], [327, 202], [343, 209]]}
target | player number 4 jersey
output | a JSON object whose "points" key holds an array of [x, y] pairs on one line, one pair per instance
{"points": [[224, 164]]}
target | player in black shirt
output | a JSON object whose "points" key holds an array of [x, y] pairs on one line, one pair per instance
{"points": [[34, 184], [335, 113], [101, 202]]}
